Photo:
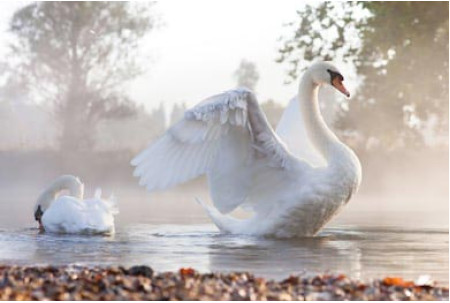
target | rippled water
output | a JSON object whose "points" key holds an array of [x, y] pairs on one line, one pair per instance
{"points": [[356, 251], [169, 230]]}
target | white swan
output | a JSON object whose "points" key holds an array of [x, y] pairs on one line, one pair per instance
{"points": [[70, 213], [227, 137]]}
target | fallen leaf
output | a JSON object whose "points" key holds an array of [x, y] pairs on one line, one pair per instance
{"points": [[187, 271], [396, 281]]}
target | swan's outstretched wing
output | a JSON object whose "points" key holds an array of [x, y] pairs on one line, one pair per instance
{"points": [[223, 137], [291, 130]]}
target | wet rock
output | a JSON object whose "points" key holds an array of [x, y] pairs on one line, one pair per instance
{"points": [[141, 270]]}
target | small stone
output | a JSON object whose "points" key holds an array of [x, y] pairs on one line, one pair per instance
{"points": [[141, 283], [141, 270], [285, 297]]}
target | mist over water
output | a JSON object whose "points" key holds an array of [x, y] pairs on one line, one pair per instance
{"points": [[396, 225], [406, 189]]}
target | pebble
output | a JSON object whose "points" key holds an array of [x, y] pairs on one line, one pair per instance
{"points": [[142, 283]]}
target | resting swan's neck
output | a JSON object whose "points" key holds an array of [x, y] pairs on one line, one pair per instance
{"points": [[318, 132], [64, 183]]}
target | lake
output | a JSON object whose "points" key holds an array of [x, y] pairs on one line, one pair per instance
{"points": [[357, 251], [169, 230]]}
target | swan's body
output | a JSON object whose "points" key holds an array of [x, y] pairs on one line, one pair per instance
{"points": [[71, 213], [227, 137]]}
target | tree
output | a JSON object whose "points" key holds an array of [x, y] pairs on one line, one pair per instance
{"points": [[400, 50], [273, 112], [145, 126], [78, 56], [177, 113], [247, 75]]}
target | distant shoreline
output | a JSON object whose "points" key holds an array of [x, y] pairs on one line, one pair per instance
{"points": [[142, 283]]}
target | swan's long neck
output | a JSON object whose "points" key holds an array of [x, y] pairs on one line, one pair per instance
{"points": [[321, 136], [67, 182]]}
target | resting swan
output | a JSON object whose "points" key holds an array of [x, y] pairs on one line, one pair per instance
{"points": [[247, 164], [70, 213]]}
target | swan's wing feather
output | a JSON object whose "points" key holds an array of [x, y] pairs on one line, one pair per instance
{"points": [[292, 131], [222, 137], [163, 164]]}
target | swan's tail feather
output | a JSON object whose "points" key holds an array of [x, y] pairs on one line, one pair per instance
{"points": [[225, 223], [110, 203]]}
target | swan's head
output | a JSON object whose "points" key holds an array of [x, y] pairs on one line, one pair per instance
{"points": [[326, 73], [68, 183], [41, 206]]}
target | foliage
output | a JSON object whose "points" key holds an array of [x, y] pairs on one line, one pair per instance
{"points": [[247, 75], [177, 113], [132, 133], [273, 112], [78, 56], [400, 49]]}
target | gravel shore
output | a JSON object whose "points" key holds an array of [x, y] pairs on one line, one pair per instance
{"points": [[141, 283]]}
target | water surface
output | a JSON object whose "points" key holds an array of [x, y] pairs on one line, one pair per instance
{"points": [[356, 251], [170, 230]]}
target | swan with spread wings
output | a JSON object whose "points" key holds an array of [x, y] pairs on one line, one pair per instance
{"points": [[293, 179]]}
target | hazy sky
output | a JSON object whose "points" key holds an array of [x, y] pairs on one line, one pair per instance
{"points": [[203, 42], [194, 54]]}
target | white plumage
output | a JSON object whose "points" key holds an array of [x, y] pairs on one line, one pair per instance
{"points": [[71, 213], [293, 182]]}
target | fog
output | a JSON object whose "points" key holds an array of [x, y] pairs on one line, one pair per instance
{"points": [[405, 185], [405, 188]]}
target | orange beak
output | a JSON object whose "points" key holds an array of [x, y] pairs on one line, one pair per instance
{"points": [[337, 83]]}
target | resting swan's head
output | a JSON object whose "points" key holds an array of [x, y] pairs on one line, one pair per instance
{"points": [[68, 183], [326, 73]]}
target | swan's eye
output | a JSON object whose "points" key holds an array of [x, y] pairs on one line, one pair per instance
{"points": [[334, 74]]}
